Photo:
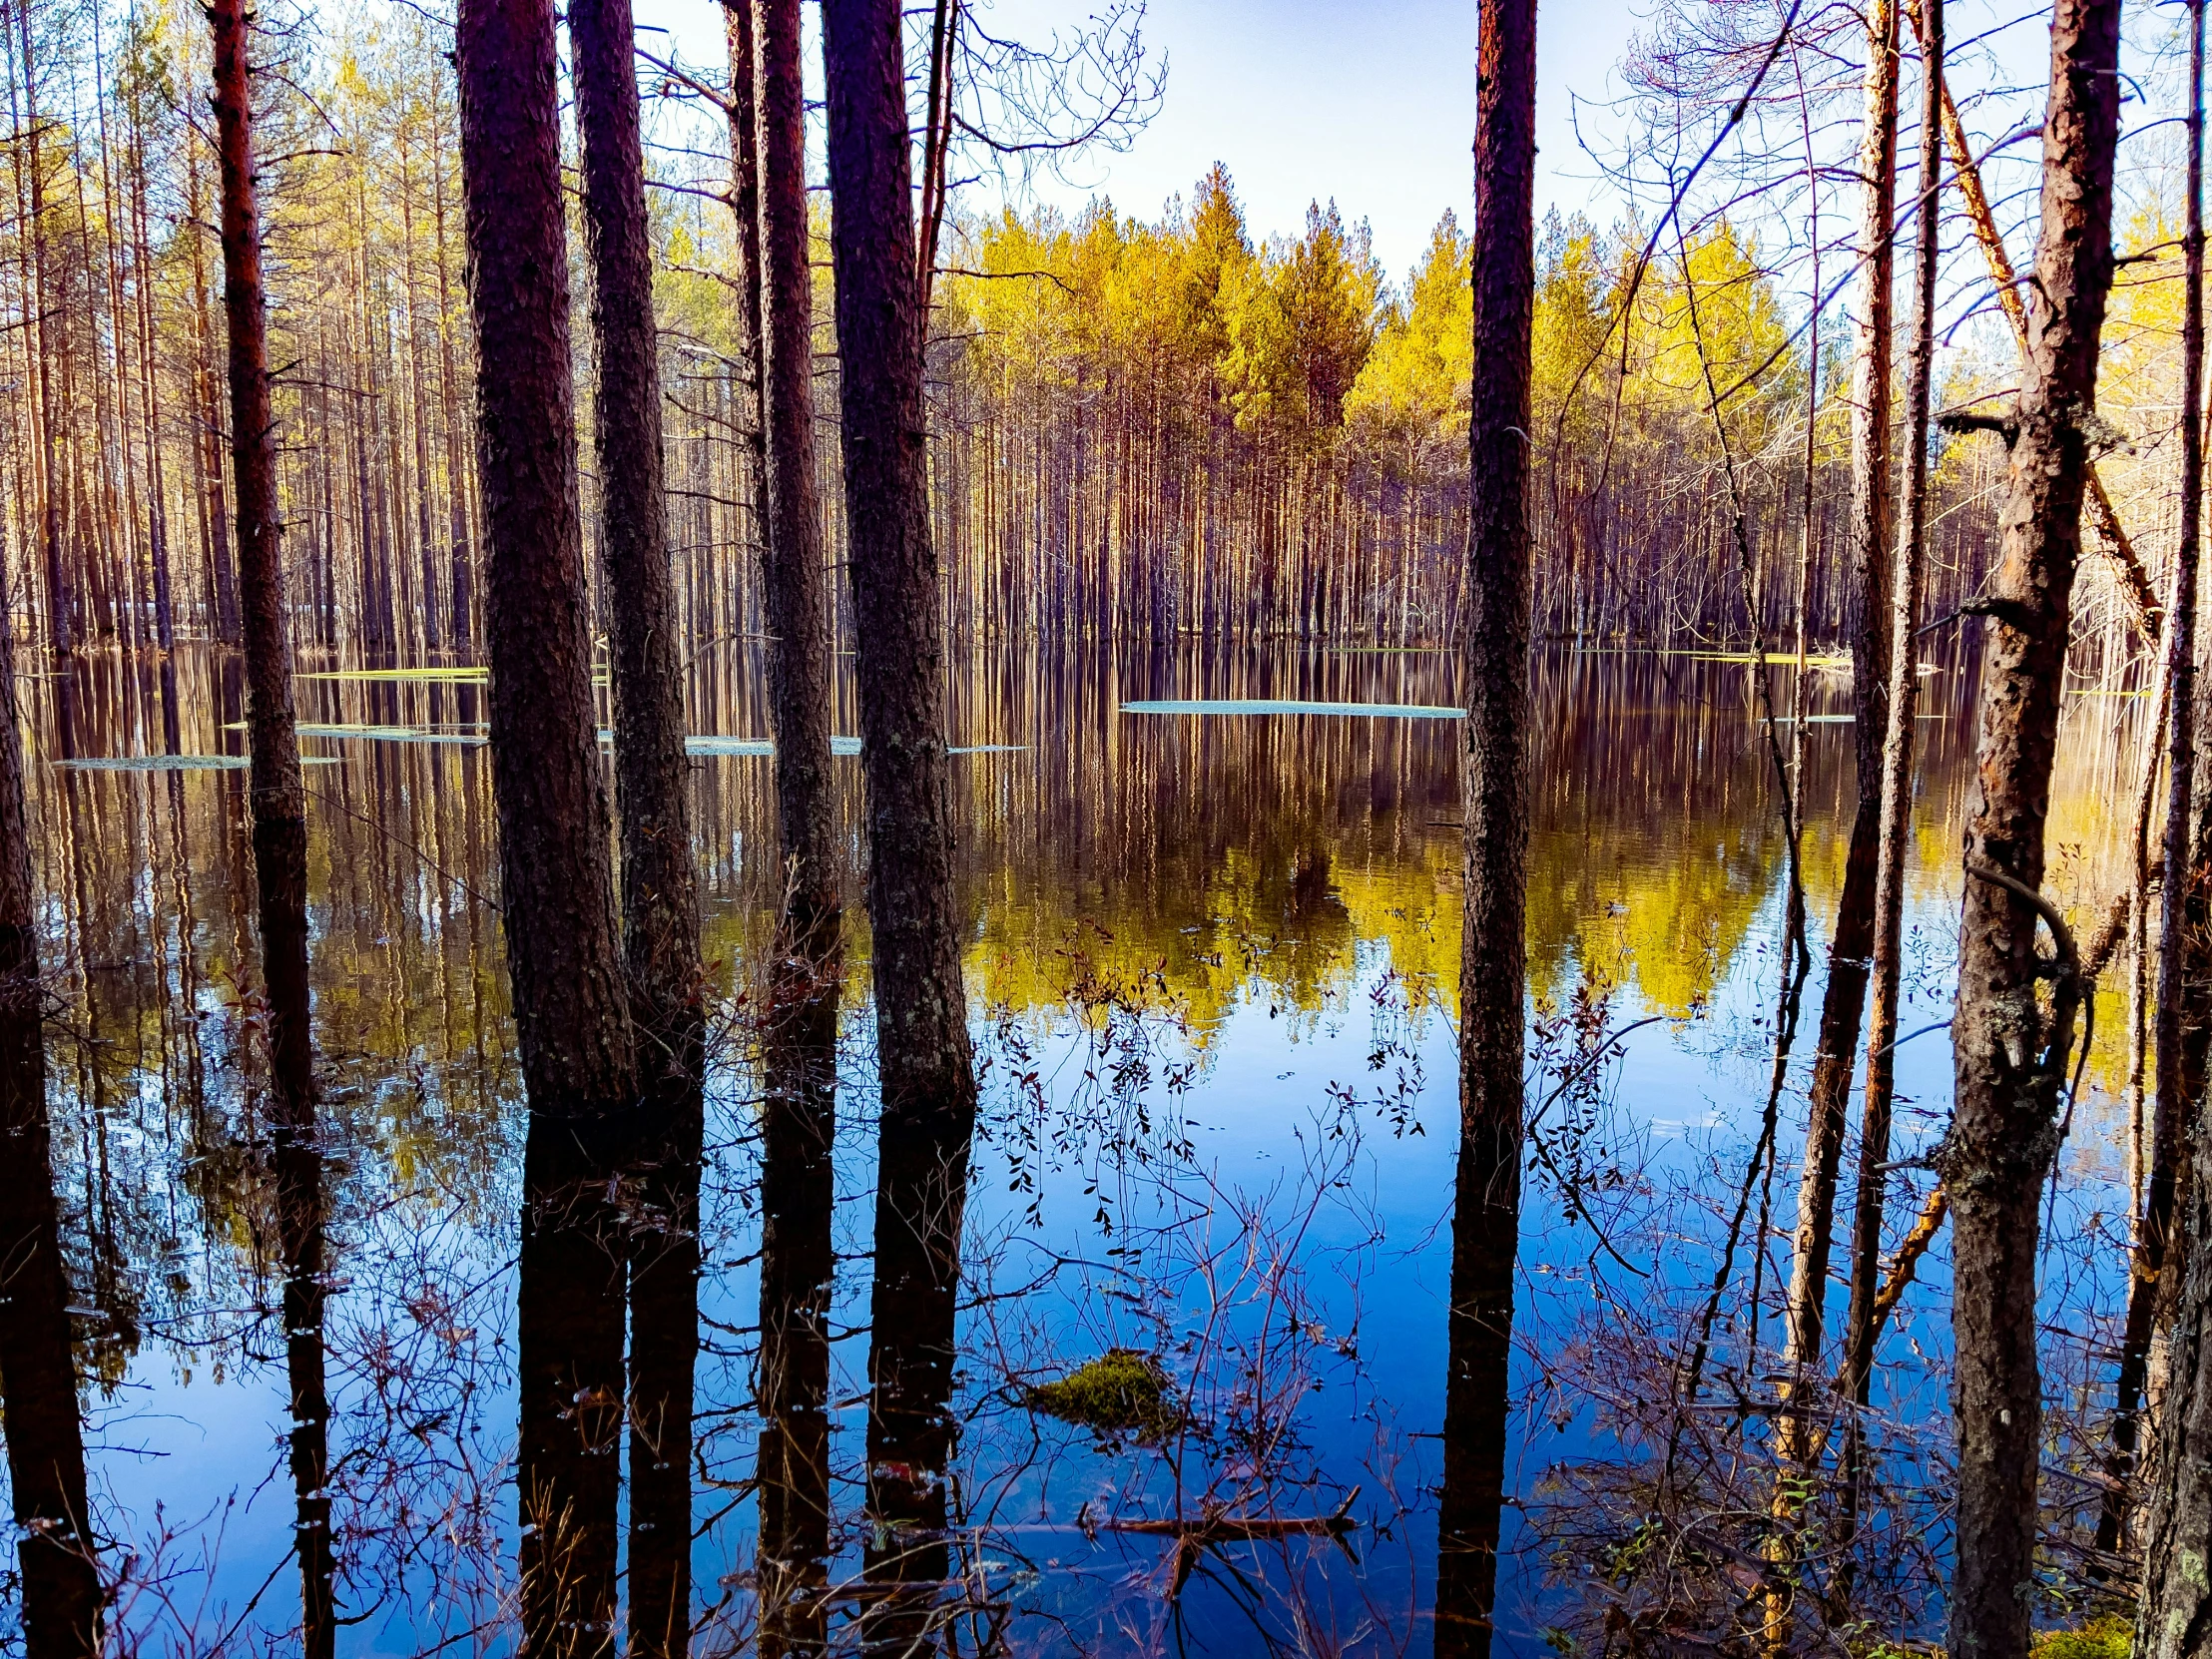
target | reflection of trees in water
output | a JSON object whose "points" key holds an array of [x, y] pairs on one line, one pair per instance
{"points": [[1271, 863]]}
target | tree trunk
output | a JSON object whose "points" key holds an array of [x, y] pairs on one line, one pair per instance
{"points": [[38, 1375], [1898, 744], [1492, 941], [925, 1060], [280, 812], [660, 893], [792, 576], [2175, 1618], [2010, 1055], [921, 1009], [2150, 1284], [1843, 1000], [556, 893]]}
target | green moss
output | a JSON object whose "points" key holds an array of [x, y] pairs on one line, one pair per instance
{"points": [[2108, 1636], [1120, 1392]]}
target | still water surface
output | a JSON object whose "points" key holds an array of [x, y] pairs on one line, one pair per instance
{"points": [[1212, 961]]}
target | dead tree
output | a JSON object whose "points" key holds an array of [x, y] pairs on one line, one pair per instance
{"points": [[556, 884], [660, 890], [1492, 945], [2010, 1050]]}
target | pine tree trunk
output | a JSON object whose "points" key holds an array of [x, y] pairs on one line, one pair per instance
{"points": [[280, 810], [2009, 1055], [556, 886], [1486, 1234], [660, 893], [924, 1060], [791, 580], [921, 1010]]}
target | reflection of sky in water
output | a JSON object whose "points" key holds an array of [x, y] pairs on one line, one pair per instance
{"points": [[1279, 891]]}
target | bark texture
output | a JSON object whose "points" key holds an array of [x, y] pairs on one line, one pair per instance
{"points": [[1492, 943], [920, 1007], [556, 884], [925, 1060], [792, 586], [660, 890], [2008, 1052]]}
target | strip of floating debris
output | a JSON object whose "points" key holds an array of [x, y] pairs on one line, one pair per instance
{"points": [[1272, 706], [180, 763]]}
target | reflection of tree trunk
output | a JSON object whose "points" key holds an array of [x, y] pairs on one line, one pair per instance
{"points": [[38, 1375], [1486, 1230], [664, 1351], [798, 1191], [660, 893], [921, 1191], [556, 882], [569, 1378], [2010, 1056], [298, 1172]]}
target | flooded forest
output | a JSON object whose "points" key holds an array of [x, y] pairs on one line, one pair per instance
{"points": [[764, 891]]}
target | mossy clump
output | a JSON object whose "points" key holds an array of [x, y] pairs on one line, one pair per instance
{"points": [[2107, 1636], [1122, 1392]]}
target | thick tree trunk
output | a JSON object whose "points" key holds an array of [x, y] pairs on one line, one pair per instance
{"points": [[1843, 1002], [921, 1010], [1496, 792], [660, 893], [2151, 1287], [792, 582], [556, 886], [925, 1060], [1898, 744], [2009, 1055], [38, 1373]]}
